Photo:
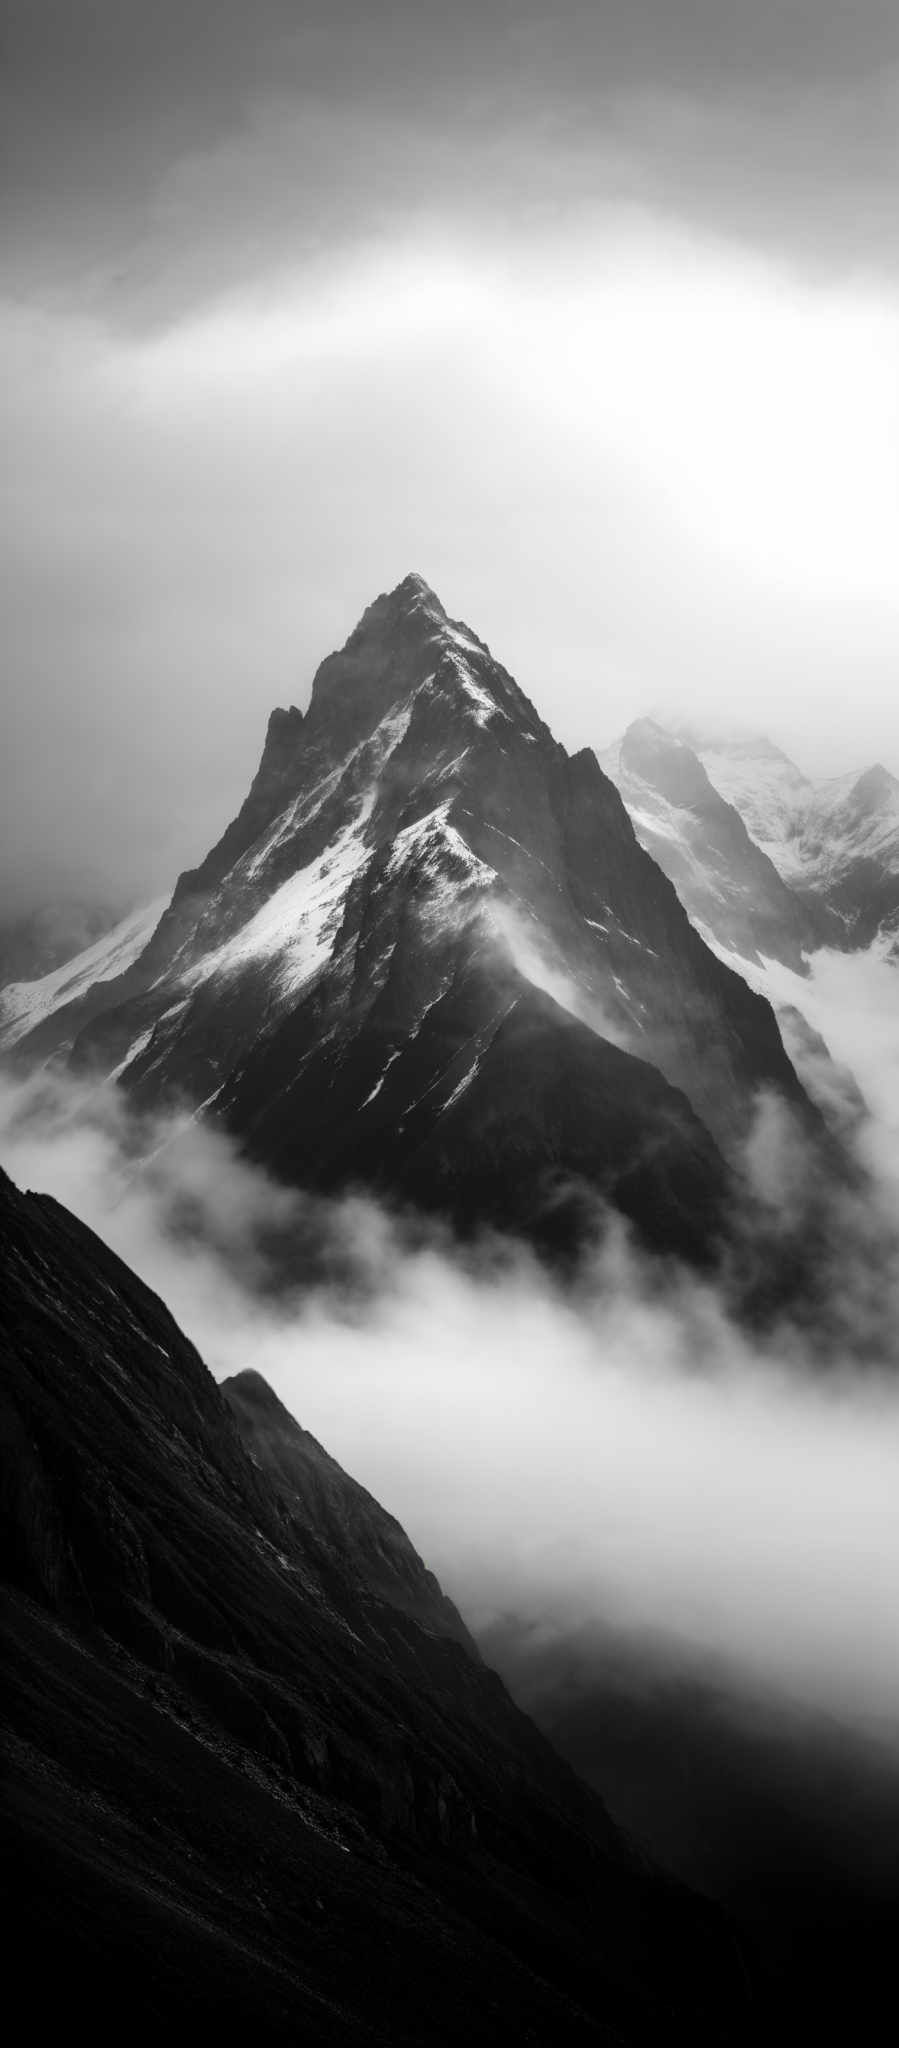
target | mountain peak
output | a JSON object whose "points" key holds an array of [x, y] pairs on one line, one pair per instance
{"points": [[411, 598], [648, 731], [430, 955], [647, 750], [385, 657], [406, 641], [875, 784], [414, 586]]}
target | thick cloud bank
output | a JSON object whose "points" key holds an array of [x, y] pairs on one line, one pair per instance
{"points": [[621, 1454]]}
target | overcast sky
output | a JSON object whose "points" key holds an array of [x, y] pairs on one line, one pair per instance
{"points": [[589, 312]]}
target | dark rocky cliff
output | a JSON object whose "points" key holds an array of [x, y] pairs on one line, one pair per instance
{"points": [[253, 1773]]}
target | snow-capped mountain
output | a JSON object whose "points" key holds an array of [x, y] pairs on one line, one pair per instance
{"points": [[429, 954], [764, 785], [835, 843], [729, 885]]}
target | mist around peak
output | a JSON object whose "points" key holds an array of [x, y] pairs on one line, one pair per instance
{"points": [[619, 1444]]}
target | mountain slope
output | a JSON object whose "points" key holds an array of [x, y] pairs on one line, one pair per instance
{"points": [[763, 784], [430, 953], [244, 1771], [36, 942], [24, 1005], [835, 843], [327, 1507], [849, 851], [728, 886]]}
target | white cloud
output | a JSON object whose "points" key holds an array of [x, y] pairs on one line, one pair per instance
{"points": [[622, 1454]]}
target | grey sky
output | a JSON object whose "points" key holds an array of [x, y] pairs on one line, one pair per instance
{"points": [[589, 313], [152, 149]]}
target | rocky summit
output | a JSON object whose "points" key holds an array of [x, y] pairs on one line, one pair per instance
{"points": [[430, 956]]}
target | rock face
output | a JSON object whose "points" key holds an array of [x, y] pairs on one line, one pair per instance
{"points": [[429, 955], [252, 1764], [730, 888], [330, 1510], [835, 843]]}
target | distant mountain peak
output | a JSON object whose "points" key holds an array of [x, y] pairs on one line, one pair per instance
{"points": [[647, 733], [652, 726], [647, 750], [876, 784], [835, 843], [727, 882]]}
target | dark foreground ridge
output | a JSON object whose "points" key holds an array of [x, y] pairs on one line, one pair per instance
{"points": [[255, 1772]]}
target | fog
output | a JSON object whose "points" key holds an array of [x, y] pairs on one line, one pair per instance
{"points": [[620, 1455]]}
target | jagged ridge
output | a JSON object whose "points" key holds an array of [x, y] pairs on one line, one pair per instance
{"points": [[430, 954]]}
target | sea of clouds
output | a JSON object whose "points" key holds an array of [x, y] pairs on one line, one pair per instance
{"points": [[618, 1450]]}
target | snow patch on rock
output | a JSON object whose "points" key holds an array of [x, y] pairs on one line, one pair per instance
{"points": [[298, 924], [24, 1004]]}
